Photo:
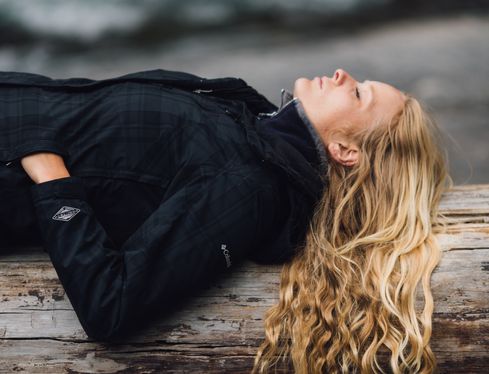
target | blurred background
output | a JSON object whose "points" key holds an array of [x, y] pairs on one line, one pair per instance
{"points": [[437, 50]]}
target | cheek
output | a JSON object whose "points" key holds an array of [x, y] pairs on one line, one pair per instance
{"points": [[340, 102], [301, 86], [336, 111], [342, 107]]}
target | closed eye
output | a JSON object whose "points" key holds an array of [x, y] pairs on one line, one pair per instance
{"points": [[357, 93]]}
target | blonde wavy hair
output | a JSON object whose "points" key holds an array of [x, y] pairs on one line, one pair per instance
{"points": [[349, 294]]}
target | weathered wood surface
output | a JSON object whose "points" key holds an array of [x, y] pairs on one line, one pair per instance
{"points": [[218, 330]]}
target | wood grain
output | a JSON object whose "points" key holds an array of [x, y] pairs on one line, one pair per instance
{"points": [[218, 330]]}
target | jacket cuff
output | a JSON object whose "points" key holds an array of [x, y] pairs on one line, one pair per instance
{"points": [[67, 187]]}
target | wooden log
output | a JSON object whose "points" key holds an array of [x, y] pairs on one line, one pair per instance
{"points": [[218, 330]]}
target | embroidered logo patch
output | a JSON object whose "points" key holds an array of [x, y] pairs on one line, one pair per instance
{"points": [[65, 213]]}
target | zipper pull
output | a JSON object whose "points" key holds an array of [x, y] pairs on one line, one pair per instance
{"points": [[285, 97], [202, 91]]}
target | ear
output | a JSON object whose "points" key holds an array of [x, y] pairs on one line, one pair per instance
{"points": [[344, 153]]}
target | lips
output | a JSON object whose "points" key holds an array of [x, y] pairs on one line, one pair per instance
{"points": [[320, 81]]}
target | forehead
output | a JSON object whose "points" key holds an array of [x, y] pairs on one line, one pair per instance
{"points": [[387, 100]]}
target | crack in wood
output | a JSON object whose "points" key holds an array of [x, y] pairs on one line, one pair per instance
{"points": [[465, 249]]}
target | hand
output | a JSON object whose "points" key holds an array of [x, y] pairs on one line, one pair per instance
{"points": [[44, 166]]}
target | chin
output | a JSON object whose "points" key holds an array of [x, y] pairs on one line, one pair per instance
{"points": [[300, 85]]}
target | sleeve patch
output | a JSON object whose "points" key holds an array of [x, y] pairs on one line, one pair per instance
{"points": [[66, 213]]}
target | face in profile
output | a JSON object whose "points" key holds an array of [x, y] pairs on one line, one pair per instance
{"points": [[342, 105]]}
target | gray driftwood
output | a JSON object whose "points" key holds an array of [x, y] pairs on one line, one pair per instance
{"points": [[218, 330]]}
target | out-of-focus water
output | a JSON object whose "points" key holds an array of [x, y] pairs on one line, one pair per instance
{"points": [[88, 20]]}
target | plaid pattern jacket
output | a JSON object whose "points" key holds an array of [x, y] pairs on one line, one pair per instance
{"points": [[172, 183]]}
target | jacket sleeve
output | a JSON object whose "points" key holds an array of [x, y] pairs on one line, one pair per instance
{"points": [[204, 228]]}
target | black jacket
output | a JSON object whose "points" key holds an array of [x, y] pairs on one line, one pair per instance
{"points": [[173, 181]]}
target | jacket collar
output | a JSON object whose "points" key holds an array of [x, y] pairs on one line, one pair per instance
{"points": [[291, 123], [284, 157]]}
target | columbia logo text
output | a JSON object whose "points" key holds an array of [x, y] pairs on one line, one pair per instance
{"points": [[226, 254]]}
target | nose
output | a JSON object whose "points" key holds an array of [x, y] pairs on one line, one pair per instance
{"points": [[341, 77]]}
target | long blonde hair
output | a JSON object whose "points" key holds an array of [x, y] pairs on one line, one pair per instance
{"points": [[349, 294]]}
